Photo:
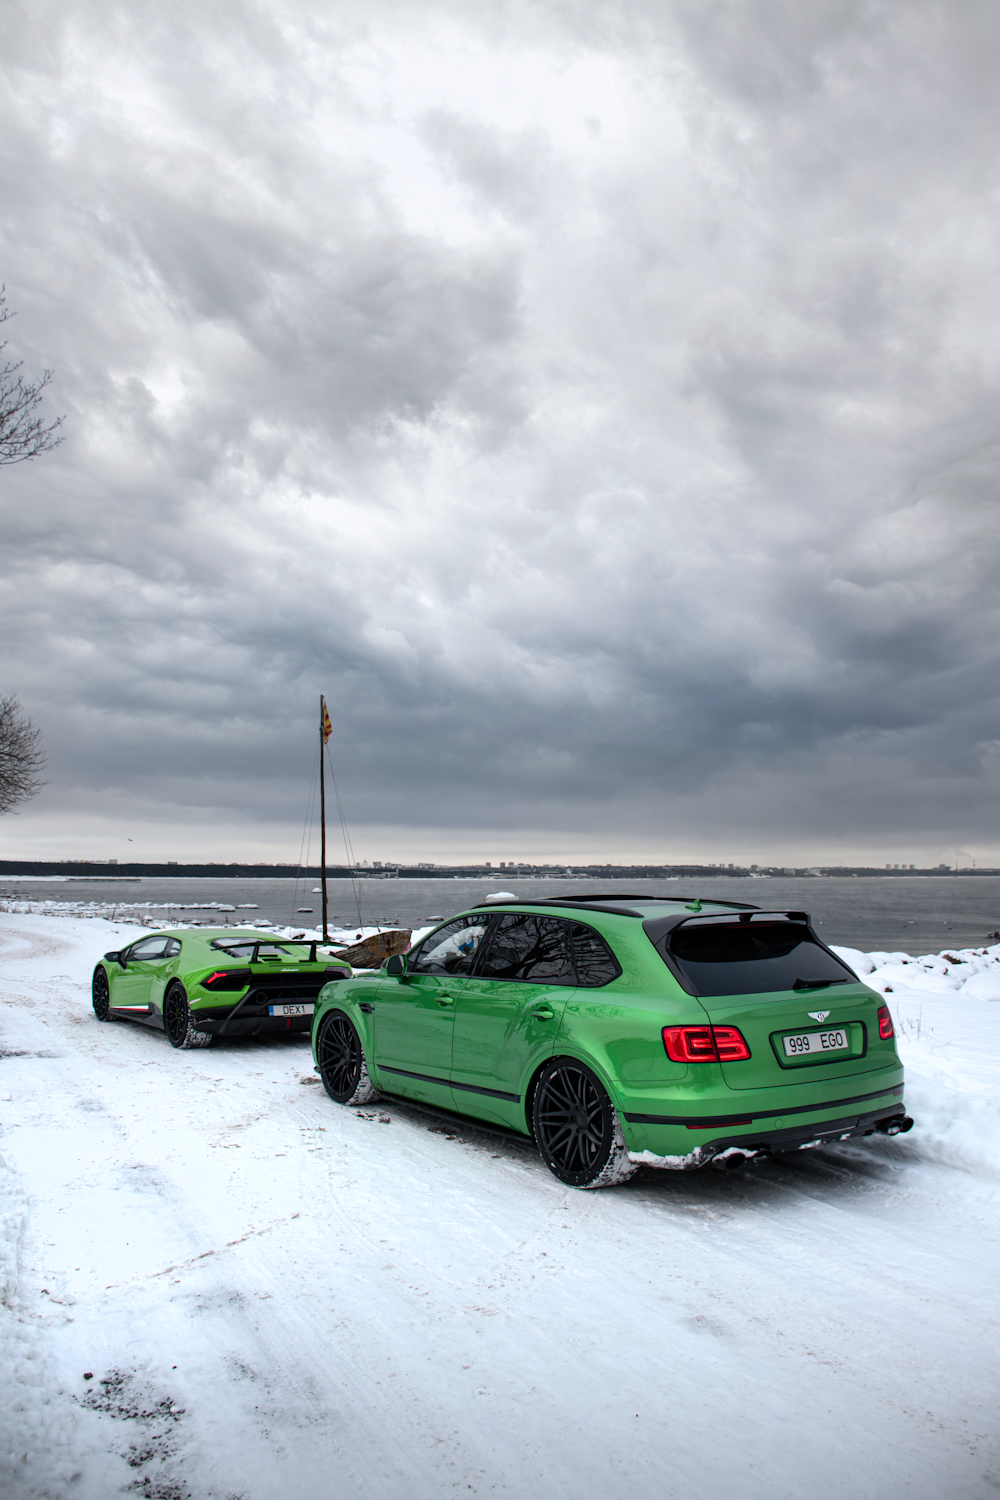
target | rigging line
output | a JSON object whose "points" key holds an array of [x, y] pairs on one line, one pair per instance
{"points": [[305, 844], [311, 814], [371, 910], [348, 849]]}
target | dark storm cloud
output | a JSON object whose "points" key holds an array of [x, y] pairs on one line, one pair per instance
{"points": [[600, 408]]}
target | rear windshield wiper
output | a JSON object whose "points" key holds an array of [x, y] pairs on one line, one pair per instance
{"points": [[816, 984]]}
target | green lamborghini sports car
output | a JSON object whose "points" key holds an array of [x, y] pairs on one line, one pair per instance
{"points": [[622, 1030], [220, 981]]}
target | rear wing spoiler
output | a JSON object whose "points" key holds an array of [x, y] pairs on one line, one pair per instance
{"points": [[658, 928], [311, 943]]}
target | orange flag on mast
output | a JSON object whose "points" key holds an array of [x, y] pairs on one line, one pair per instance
{"points": [[325, 727]]}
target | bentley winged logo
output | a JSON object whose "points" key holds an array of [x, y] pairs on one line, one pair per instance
{"points": [[818, 1015]]}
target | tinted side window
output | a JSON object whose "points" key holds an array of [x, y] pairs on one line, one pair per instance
{"points": [[154, 947], [450, 950], [172, 949], [595, 962], [531, 949], [751, 958]]}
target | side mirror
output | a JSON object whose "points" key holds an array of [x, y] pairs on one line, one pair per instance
{"points": [[396, 965], [116, 958]]}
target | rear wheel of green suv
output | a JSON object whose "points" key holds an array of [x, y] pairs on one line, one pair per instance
{"points": [[576, 1127]]}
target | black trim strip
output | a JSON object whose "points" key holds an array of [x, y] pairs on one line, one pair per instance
{"points": [[591, 901], [459, 1121], [526, 901], [800, 1134], [448, 1083], [709, 1122], [250, 994]]}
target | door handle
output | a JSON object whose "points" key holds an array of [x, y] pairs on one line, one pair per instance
{"points": [[543, 1013], [446, 1000]]}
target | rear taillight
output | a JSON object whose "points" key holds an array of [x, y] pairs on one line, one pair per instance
{"points": [[688, 1044], [695, 1044], [227, 979], [731, 1044], [886, 1030]]}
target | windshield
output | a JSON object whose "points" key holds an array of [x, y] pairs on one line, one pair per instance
{"points": [[744, 958]]}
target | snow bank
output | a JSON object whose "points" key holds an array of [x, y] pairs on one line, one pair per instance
{"points": [[948, 1024], [953, 1126], [966, 971]]}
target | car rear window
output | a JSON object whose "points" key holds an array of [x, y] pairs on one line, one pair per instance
{"points": [[245, 949], [751, 958]]}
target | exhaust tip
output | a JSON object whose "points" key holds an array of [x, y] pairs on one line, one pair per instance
{"points": [[897, 1125], [733, 1158]]}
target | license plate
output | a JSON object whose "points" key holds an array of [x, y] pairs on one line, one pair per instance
{"points": [[290, 1010], [816, 1041]]}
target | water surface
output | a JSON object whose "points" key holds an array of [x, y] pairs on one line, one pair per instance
{"points": [[909, 914]]}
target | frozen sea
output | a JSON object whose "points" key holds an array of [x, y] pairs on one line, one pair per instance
{"points": [[908, 914]]}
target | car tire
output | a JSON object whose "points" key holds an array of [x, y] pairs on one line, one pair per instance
{"points": [[100, 990], [577, 1129], [177, 1021], [343, 1066]]}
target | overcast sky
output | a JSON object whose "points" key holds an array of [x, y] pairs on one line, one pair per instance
{"points": [[598, 403]]}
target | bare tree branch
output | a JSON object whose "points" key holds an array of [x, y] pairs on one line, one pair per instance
{"points": [[22, 434], [21, 755]]}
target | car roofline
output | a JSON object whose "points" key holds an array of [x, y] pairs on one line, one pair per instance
{"points": [[604, 903]]}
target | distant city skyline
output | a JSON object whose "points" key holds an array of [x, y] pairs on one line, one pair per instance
{"points": [[508, 867]]}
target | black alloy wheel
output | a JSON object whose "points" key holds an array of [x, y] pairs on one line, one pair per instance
{"points": [[341, 1059], [576, 1128], [101, 992], [177, 1021]]}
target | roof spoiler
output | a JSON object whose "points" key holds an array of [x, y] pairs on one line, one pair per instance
{"points": [[603, 903], [657, 928]]}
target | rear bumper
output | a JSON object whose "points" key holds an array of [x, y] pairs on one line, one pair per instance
{"points": [[760, 1145], [683, 1144], [248, 1025]]}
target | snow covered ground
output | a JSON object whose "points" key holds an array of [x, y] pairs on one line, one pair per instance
{"points": [[273, 1297]]}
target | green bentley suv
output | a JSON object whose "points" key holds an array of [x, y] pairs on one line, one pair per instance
{"points": [[622, 1030], [220, 981]]}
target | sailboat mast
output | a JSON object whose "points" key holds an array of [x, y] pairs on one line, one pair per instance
{"points": [[322, 809]]}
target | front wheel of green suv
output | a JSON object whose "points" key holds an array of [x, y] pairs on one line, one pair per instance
{"points": [[342, 1064], [576, 1128], [177, 1020]]}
